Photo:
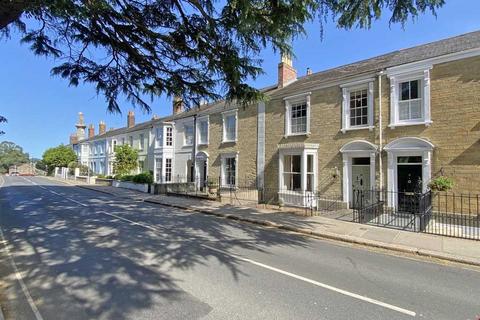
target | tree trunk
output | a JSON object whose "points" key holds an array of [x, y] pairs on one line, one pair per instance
{"points": [[10, 10]]}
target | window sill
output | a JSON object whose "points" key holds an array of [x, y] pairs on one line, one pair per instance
{"points": [[307, 134], [229, 141], [370, 128], [204, 144], [413, 123]]}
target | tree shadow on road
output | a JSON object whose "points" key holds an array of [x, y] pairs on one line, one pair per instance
{"points": [[90, 262]]}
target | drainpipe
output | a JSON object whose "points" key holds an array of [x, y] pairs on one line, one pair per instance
{"points": [[194, 163], [380, 134]]}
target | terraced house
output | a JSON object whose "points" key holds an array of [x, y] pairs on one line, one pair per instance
{"points": [[391, 122]]}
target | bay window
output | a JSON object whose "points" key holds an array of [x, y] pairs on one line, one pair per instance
{"points": [[297, 173]]}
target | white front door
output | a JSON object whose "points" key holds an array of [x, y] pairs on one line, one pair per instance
{"points": [[360, 176]]}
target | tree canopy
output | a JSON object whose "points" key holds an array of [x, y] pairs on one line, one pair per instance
{"points": [[196, 49], [59, 156], [125, 159], [11, 154]]}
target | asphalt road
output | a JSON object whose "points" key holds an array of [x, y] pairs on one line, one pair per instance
{"points": [[71, 253]]}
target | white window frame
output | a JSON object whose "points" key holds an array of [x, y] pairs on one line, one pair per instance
{"points": [[167, 129], [161, 175], [347, 89], [185, 126], [226, 114], [303, 152], [289, 102], [224, 156], [204, 119], [171, 169], [398, 76]]}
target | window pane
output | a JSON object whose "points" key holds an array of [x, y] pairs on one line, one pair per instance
{"points": [[403, 110], [405, 91], [414, 89], [298, 118], [415, 109], [310, 181], [361, 161], [310, 163], [296, 163], [230, 127], [296, 182], [359, 108]]}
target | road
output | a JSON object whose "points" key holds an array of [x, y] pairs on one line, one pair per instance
{"points": [[72, 253]]}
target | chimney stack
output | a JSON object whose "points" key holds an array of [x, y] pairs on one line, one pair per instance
{"points": [[91, 131], [286, 73], [73, 138], [178, 106], [309, 71], [130, 119], [102, 127]]}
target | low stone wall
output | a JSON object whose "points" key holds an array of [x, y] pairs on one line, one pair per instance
{"points": [[142, 187], [82, 179], [181, 188], [103, 182]]}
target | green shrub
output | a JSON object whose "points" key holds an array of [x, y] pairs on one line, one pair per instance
{"points": [[144, 177], [101, 176], [441, 184], [109, 177], [117, 177], [126, 177]]}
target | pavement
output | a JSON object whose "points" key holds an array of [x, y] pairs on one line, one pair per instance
{"points": [[75, 253], [421, 244]]}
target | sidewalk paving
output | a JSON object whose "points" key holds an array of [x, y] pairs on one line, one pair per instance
{"points": [[445, 248]]}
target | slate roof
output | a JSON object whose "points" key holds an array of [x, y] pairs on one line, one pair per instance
{"points": [[396, 58]]}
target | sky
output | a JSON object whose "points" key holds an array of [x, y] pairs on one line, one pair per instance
{"points": [[42, 110]]}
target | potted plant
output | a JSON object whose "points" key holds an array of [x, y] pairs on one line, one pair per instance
{"points": [[441, 184]]}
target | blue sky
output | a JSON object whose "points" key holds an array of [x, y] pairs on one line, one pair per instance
{"points": [[42, 110]]}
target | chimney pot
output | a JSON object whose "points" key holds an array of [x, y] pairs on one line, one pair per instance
{"points": [[286, 73], [91, 131], [102, 127], [130, 119]]}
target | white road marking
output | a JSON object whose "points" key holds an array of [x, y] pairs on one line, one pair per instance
{"points": [[319, 284], [146, 226], [265, 266], [18, 275]]}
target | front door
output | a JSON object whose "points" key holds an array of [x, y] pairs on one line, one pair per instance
{"points": [[360, 182], [409, 183]]}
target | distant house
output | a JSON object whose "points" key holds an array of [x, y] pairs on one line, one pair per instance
{"points": [[26, 169]]}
